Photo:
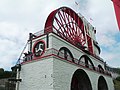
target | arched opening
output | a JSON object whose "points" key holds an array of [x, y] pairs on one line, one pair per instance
{"points": [[66, 53], [87, 61], [80, 81], [102, 85], [100, 69]]}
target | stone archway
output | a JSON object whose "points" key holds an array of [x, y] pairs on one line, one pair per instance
{"points": [[101, 70], [102, 84], [88, 62], [66, 53], [80, 81]]}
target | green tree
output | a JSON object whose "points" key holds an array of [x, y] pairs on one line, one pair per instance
{"points": [[6, 74], [1, 73], [118, 78]]}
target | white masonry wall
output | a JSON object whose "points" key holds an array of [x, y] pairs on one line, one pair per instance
{"points": [[56, 74], [37, 75], [63, 72], [56, 42]]}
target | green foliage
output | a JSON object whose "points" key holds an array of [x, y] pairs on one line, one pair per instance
{"points": [[1, 70], [117, 70], [6, 74], [116, 84], [118, 78]]}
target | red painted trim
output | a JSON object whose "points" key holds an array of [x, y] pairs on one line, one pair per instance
{"points": [[66, 16], [63, 59], [49, 22], [117, 11], [34, 47], [95, 56]]}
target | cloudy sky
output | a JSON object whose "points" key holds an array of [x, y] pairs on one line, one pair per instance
{"points": [[20, 17]]}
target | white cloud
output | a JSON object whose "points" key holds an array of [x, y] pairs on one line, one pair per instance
{"points": [[106, 41], [102, 13], [112, 57], [12, 39], [8, 30], [9, 50], [19, 18]]}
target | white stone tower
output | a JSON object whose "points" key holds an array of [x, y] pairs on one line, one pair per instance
{"points": [[64, 57]]}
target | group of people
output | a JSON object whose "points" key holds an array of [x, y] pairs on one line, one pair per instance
{"points": [[27, 56]]}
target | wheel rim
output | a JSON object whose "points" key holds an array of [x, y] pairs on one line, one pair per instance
{"points": [[67, 24]]}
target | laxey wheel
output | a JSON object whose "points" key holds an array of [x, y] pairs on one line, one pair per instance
{"points": [[67, 24]]}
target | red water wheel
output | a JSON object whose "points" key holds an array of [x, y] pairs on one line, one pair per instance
{"points": [[67, 24]]}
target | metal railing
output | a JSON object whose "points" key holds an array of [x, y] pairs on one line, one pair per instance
{"points": [[41, 32], [55, 53]]}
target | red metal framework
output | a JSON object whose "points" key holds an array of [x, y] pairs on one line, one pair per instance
{"points": [[117, 11], [61, 55], [67, 24], [39, 48]]}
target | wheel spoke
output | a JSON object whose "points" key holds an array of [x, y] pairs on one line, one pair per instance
{"points": [[68, 25]]}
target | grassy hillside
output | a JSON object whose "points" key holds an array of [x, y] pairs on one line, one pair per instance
{"points": [[117, 84]]}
